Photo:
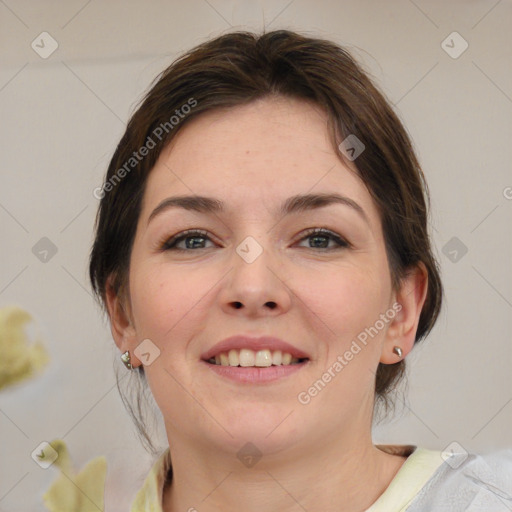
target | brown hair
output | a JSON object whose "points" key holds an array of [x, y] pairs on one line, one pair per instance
{"points": [[240, 67]]}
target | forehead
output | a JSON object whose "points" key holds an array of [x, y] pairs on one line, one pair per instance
{"points": [[260, 152]]}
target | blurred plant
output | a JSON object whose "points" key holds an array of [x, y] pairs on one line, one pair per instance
{"points": [[20, 360], [82, 492]]}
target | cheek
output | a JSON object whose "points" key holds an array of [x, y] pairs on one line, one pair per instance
{"points": [[344, 300], [168, 303], [170, 306], [346, 304]]}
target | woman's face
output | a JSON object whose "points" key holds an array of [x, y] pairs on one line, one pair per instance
{"points": [[258, 272]]}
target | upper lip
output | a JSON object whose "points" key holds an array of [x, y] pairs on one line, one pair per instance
{"points": [[252, 343]]}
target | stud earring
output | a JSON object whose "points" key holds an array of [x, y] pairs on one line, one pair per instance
{"points": [[397, 351], [125, 358]]}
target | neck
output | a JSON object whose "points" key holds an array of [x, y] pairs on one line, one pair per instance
{"points": [[336, 476]]}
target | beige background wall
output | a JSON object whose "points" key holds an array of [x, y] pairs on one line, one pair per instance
{"points": [[62, 116]]}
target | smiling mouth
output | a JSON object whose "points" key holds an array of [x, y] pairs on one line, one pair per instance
{"points": [[247, 358]]}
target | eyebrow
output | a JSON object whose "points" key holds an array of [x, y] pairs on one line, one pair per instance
{"points": [[294, 204]]}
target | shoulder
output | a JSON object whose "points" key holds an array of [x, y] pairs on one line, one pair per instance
{"points": [[468, 482]]}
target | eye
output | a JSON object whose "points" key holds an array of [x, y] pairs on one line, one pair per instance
{"points": [[321, 237], [196, 239], [193, 238]]}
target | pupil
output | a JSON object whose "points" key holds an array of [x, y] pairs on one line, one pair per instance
{"points": [[321, 237], [194, 245]]}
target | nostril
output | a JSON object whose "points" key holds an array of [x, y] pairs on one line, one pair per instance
{"points": [[271, 305]]}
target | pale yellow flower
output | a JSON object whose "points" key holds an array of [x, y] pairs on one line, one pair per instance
{"points": [[20, 360], [71, 492]]}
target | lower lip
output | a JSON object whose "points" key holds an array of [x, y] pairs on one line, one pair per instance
{"points": [[255, 375]]}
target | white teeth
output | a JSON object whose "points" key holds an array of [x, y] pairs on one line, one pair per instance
{"points": [[277, 357], [233, 357], [263, 358], [246, 357]]}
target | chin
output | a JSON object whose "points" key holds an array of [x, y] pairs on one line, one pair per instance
{"points": [[269, 427]]}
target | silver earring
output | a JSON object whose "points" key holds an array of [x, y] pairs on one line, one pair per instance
{"points": [[126, 360], [397, 351]]}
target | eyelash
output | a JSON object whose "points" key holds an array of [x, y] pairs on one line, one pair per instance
{"points": [[170, 244]]}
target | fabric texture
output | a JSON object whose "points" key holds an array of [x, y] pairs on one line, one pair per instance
{"points": [[469, 483], [428, 481]]}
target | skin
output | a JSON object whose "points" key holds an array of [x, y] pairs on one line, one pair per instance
{"points": [[319, 456]]}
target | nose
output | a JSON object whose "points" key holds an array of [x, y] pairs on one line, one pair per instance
{"points": [[255, 288]]}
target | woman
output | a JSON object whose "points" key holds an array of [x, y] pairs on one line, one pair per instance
{"points": [[263, 254]]}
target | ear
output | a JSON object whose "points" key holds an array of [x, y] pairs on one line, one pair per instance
{"points": [[121, 323], [408, 302]]}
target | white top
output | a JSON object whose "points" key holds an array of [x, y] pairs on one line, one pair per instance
{"points": [[428, 481], [462, 483], [415, 472]]}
